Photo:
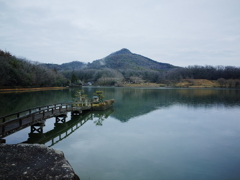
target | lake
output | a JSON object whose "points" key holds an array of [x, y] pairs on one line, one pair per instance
{"points": [[150, 134]]}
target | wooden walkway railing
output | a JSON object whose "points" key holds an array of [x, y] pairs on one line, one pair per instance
{"points": [[20, 120]]}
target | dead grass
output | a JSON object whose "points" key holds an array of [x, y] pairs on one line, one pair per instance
{"points": [[192, 83], [197, 83], [144, 85]]}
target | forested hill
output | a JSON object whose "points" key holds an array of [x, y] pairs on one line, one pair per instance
{"points": [[17, 72], [74, 65], [122, 60], [125, 59], [116, 69]]}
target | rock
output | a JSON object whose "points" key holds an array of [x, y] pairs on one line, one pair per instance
{"points": [[33, 161]]}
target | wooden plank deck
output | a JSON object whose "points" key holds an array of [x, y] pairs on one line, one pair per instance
{"points": [[33, 116]]}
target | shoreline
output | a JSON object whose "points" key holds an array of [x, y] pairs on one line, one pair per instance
{"points": [[30, 89], [186, 83], [167, 86]]}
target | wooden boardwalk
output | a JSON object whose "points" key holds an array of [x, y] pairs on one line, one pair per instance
{"points": [[20, 120]]}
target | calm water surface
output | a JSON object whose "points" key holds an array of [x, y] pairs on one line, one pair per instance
{"points": [[149, 134]]}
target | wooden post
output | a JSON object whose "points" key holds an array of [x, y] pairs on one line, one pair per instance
{"points": [[38, 127], [2, 141], [20, 122], [40, 130], [3, 129], [60, 119]]}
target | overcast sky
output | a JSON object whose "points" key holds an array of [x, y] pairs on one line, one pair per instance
{"points": [[179, 32]]}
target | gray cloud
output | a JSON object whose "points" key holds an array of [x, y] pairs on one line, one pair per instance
{"points": [[181, 32]]}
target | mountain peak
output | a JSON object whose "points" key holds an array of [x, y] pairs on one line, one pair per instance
{"points": [[124, 59], [122, 51]]}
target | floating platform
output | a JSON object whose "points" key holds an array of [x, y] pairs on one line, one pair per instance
{"points": [[101, 108]]}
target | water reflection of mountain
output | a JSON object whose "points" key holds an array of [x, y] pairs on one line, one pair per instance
{"points": [[135, 102], [129, 102]]}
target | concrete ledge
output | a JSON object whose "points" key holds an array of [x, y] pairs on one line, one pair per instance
{"points": [[33, 161]]}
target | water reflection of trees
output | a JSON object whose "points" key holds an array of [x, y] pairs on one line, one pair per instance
{"points": [[100, 116], [19, 101], [129, 102]]}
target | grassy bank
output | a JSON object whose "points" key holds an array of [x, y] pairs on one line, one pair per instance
{"points": [[198, 83], [144, 85], [189, 83]]}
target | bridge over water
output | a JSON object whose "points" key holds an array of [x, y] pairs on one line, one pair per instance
{"points": [[35, 117]]}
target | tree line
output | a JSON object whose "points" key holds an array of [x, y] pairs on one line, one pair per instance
{"points": [[227, 76], [204, 72], [17, 72], [108, 76], [21, 72]]}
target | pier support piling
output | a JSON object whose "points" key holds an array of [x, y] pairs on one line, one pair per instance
{"points": [[38, 127], [61, 118], [76, 112], [2, 141]]}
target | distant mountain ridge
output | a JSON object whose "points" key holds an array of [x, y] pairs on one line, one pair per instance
{"points": [[122, 60], [125, 59], [117, 69]]}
